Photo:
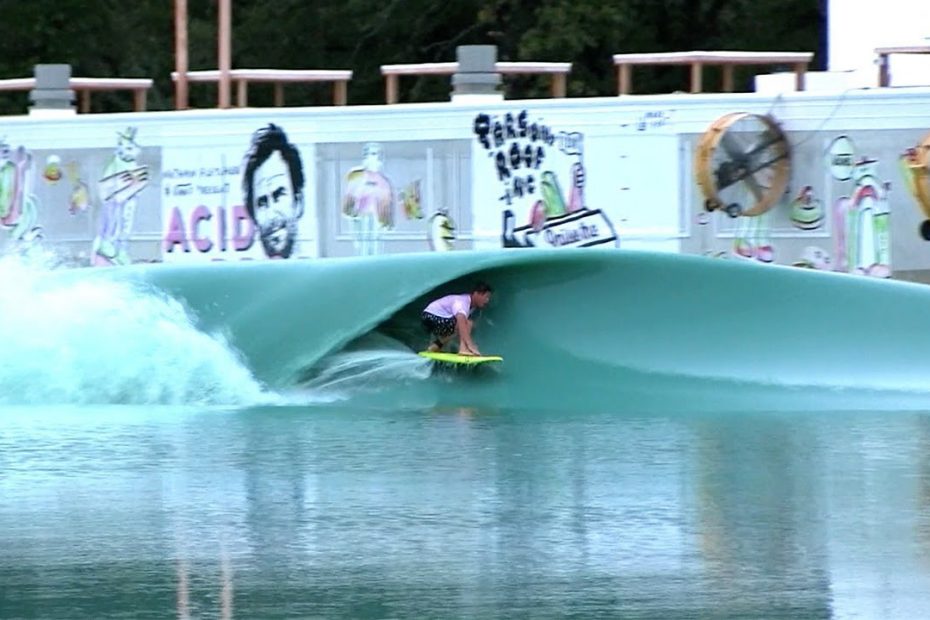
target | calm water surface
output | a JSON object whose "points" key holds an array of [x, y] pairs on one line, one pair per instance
{"points": [[320, 512]]}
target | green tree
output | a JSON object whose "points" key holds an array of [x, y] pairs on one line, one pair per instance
{"points": [[109, 38]]}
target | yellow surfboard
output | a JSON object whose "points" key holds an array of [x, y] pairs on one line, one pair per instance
{"points": [[455, 358]]}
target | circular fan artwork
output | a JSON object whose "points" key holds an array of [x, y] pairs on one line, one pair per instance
{"points": [[742, 164]]}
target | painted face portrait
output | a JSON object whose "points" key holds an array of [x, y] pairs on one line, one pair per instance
{"points": [[273, 184], [276, 210]]}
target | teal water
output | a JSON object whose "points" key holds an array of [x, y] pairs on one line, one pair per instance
{"points": [[318, 512], [666, 438]]}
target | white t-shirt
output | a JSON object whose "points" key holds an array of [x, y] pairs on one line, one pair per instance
{"points": [[450, 305]]}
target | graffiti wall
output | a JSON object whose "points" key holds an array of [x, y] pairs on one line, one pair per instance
{"points": [[94, 204], [237, 203], [834, 184], [833, 210], [536, 175], [385, 196]]}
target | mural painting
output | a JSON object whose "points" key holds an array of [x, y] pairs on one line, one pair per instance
{"points": [[915, 168], [806, 212], [441, 231], [745, 187], [393, 196], [795, 198], [223, 204], [19, 209], [541, 176], [273, 190], [368, 200], [85, 204], [861, 231], [742, 167], [123, 178]]}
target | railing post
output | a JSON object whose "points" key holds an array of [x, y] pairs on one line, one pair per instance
{"points": [[52, 93], [559, 85], [477, 75], [390, 86]]}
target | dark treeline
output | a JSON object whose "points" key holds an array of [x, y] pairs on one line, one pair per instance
{"points": [[112, 38]]}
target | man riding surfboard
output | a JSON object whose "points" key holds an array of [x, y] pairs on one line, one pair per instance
{"points": [[446, 316]]}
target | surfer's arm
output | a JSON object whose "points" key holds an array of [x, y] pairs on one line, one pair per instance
{"points": [[465, 342]]}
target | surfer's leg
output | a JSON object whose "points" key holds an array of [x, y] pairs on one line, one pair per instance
{"points": [[440, 329], [437, 345]]}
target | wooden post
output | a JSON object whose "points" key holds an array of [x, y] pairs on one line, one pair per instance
{"points": [[696, 77], [180, 54], [623, 79], [559, 86], [390, 84], [224, 51], [242, 92], [138, 100], [340, 92], [728, 78], [800, 69]]}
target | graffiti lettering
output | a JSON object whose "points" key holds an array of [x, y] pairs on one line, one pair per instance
{"points": [[178, 173], [481, 127], [492, 133], [573, 235], [181, 235], [198, 215], [520, 187], [220, 171], [213, 189], [653, 120], [503, 173], [546, 186], [517, 147], [588, 228], [527, 156]]}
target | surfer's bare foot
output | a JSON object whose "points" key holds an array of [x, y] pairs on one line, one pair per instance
{"points": [[434, 348]]}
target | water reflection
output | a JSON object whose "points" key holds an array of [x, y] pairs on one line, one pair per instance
{"points": [[759, 514], [289, 512]]}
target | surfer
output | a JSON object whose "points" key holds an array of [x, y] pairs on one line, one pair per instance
{"points": [[446, 316]]}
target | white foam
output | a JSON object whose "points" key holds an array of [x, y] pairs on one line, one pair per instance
{"points": [[370, 363], [77, 340]]}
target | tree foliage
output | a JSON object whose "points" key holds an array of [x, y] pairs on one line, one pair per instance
{"points": [[109, 38]]}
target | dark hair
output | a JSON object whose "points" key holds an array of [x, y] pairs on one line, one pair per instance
{"points": [[481, 287], [266, 141]]}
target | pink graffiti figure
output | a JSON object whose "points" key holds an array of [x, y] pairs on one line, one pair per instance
{"points": [[863, 244], [369, 200], [18, 206]]}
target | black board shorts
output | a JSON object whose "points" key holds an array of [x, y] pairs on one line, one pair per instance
{"points": [[438, 326]]}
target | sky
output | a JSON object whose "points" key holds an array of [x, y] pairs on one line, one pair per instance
{"points": [[857, 27]]}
